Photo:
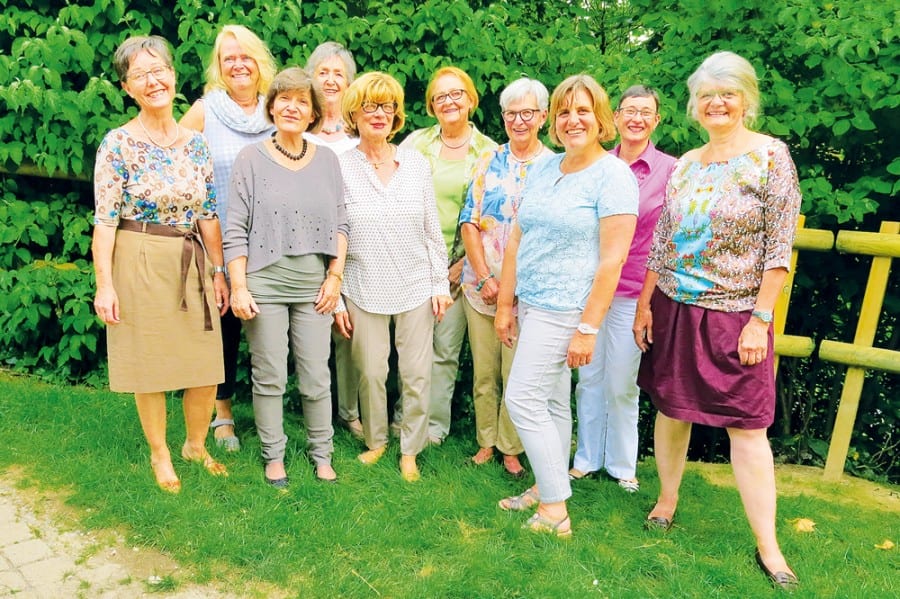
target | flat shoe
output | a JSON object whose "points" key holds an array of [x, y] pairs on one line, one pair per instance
{"points": [[783, 580], [278, 483], [372, 456], [484, 455], [229, 444], [520, 503], [516, 474], [330, 475], [538, 523], [355, 427], [409, 470], [576, 474], [658, 523]]}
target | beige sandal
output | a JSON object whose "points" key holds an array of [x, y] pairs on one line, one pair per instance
{"points": [[520, 503]]}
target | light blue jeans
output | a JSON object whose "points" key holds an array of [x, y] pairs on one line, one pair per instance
{"points": [[607, 397], [538, 396]]}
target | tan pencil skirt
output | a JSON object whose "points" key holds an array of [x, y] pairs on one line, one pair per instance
{"points": [[157, 346]]}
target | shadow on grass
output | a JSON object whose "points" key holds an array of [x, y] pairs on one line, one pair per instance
{"points": [[373, 535]]}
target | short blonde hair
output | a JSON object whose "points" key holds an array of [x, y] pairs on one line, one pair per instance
{"points": [[562, 97], [295, 79], [467, 82], [732, 70], [373, 87], [255, 49]]}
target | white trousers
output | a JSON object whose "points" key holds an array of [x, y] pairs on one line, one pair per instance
{"points": [[607, 398]]}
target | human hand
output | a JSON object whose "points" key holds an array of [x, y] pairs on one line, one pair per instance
{"points": [[454, 275], [753, 343], [328, 296], [439, 305], [643, 328], [220, 286], [581, 350], [489, 291], [505, 326], [342, 324], [106, 303], [242, 304]]}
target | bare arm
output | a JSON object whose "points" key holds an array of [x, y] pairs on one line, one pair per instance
{"points": [[643, 318], [471, 237], [106, 301], [504, 322], [195, 117], [330, 291], [212, 241], [753, 343], [616, 233]]}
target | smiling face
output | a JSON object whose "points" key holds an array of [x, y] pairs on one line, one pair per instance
{"points": [[447, 110], [150, 81], [239, 70], [576, 124], [332, 77], [292, 111], [636, 119], [374, 126], [719, 107], [523, 132]]}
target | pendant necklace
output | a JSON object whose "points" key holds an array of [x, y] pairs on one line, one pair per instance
{"points": [[464, 142], [284, 150]]}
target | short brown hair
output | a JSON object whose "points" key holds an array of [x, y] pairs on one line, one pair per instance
{"points": [[563, 94], [128, 49], [295, 79]]}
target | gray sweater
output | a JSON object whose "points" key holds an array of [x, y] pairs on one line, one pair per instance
{"points": [[275, 212]]}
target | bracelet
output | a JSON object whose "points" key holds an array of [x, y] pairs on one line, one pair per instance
{"points": [[483, 281], [219, 269], [336, 275]]}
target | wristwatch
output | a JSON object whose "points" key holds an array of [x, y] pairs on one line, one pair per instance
{"points": [[763, 315], [586, 329], [219, 269]]}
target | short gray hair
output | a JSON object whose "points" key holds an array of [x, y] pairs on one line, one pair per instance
{"points": [[522, 88], [132, 46], [295, 79], [639, 91], [730, 69], [326, 50]]}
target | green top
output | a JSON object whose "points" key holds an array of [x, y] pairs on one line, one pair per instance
{"points": [[289, 280]]}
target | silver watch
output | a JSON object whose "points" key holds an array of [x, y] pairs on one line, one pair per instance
{"points": [[763, 315], [586, 329]]}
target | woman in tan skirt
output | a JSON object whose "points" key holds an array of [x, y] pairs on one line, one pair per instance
{"points": [[156, 284]]}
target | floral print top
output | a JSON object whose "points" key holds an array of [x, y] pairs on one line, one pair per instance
{"points": [[723, 224], [491, 205], [140, 181]]}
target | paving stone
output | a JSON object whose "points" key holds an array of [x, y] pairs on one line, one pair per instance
{"points": [[15, 532], [27, 552], [12, 582], [54, 569]]}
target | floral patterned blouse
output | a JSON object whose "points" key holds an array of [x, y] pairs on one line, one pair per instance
{"points": [[146, 183], [491, 205], [723, 224]]}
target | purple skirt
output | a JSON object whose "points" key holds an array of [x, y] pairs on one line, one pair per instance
{"points": [[693, 373]]}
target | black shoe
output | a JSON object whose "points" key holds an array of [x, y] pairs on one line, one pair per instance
{"points": [[278, 483], [784, 580], [659, 523]]}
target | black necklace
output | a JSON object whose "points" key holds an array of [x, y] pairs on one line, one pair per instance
{"points": [[284, 151]]}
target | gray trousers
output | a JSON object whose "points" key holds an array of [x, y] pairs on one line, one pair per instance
{"points": [[276, 328]]}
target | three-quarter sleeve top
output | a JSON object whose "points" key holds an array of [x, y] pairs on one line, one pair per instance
{"points": [[396, 258]]}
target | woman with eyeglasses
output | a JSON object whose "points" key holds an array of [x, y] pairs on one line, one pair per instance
{"points": [[158, 286], [451, 147], [231, 116], [561, 268], [396, 268], [285, 246], [719, 256], [486, 220]]}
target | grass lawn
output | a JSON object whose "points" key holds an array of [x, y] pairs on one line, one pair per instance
{"points": [[373, 535]]}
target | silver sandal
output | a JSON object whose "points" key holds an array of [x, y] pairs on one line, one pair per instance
{"points": [[231, 443]]}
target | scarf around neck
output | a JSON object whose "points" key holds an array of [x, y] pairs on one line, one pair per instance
{"points": [[233, 116]]}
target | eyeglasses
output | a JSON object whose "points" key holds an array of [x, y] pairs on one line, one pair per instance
{"points": [[630, 113], [453, 94], [724, 94], [387, 107], [158, 73], [527, 114]]}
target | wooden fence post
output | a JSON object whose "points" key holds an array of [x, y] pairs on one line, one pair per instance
{"points": [[860, 355]]}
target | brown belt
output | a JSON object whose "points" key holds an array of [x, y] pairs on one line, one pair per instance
{"points": [[193, 248]]}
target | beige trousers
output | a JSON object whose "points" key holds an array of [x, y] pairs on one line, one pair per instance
{"points": [[370, 348], [491, 361]]}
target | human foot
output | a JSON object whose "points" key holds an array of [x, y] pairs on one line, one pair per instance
{"points": [[513, 466], [660, 517], [276, 475], [780, 575], [223, 433], [483, 456], [355, 427], [408, 468], [326, 473], [165, 475], [372, 456], [204, 459], [561, 527]]}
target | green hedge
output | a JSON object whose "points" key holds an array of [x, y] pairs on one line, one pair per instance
{"points": [[830, 79]]}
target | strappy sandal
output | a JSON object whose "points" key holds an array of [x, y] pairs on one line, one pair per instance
{"points": [[229, 444], [520, 503], [539, 523], [632, 486], [209, 464]]}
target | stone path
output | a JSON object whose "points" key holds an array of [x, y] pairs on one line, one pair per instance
{"points": [[41, 558]]}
